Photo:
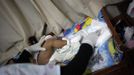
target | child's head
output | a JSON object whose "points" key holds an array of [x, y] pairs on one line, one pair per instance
{"points": [[24, 57]]}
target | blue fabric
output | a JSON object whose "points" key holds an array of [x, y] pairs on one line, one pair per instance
{"points": [[100, 16]]}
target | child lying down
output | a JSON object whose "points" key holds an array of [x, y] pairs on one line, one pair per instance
{"points": [[62, 51], [75, 52]]}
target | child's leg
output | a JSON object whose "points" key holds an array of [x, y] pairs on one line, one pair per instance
{"points": [[59, 43], [54, 43]]}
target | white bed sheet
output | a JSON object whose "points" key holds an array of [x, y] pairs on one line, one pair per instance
{"points": [[30, 69]]}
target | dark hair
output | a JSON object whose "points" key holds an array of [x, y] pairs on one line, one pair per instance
{"points": [[23, 58]]}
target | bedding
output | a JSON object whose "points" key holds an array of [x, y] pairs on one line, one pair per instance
{"points": [[106, 53], [30, 69]]}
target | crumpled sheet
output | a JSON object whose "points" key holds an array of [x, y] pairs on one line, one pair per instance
{"points": [[30, 69], [102, 57]]}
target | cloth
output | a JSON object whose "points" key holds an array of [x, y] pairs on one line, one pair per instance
{"points": [[130, 44], [79, 63], [30, 69], [99, 28], [16, 26], [129, 33], [130, 10], [105, 56], [91, 39]]}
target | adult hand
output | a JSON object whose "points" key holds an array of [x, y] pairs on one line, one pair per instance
{"points": [[37, 46]]}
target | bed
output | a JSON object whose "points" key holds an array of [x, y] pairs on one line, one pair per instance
{"points": [[30, 69], [106, 53]]}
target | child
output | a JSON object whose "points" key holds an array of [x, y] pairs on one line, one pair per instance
{"points": [[59, 50]]}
